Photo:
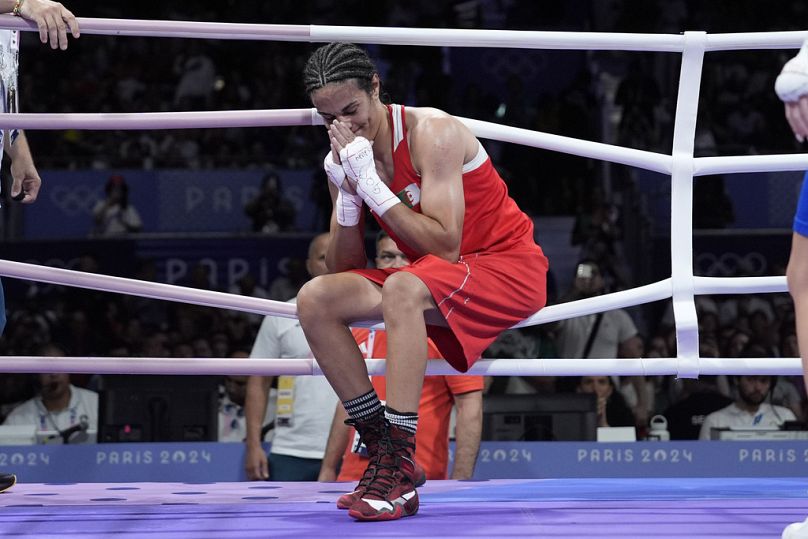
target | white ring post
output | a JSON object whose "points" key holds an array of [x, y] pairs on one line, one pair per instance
{"points": [[684, 136]]}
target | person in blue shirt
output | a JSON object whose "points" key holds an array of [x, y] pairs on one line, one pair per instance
{"points": [[792, 88]]}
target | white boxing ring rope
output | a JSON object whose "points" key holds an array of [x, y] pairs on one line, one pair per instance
{"points": [[682, 286]]}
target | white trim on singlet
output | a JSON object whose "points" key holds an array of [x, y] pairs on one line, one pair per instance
{"points": [[478, 160], [398, 136], [398, 126]]}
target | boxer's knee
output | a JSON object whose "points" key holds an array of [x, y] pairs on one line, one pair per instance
{"points": [[313, 303], [404, 292]]}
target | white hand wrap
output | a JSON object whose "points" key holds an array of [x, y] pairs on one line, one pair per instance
{"points": [[348, 208], [357, 160], [348, 205], [334, 171], [792, 83]]}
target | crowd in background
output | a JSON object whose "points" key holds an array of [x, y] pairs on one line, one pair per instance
{"points": [[738, 115], [132, 74]]}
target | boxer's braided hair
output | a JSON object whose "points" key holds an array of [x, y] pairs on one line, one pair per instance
{"points": [[337, 62]]}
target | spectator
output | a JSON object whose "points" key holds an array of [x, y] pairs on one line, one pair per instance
{"points": [[609, 334], [232, 399], [749, 409], [197, 74], [597, 231], [611, 406], [232, 425], [294, 275], [596, 335], [114, 215], [58, 405], [270, 211], [783, 393]]}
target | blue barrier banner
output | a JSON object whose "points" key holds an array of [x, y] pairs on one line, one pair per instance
{"points": [[759, 199], [221, 462], [729, 253], [64, 208], [227, 259], [110, 463], [168, 201], [757, 253], [512, 460]]}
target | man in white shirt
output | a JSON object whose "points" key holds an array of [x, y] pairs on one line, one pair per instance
{"points": [[749, 410], [232, 412], [614, 329], [59, 405], [232, 425], [609, 334], [305, 404]]}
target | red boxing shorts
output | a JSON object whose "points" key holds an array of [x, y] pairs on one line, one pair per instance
{"points": [[480, 296]]}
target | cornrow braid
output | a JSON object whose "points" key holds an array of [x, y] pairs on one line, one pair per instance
{"points": [[337, 62]]}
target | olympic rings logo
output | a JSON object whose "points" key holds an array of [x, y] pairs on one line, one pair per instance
{"points": [[74, 200], [731, 264]]}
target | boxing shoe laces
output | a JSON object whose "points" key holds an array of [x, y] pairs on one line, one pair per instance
{"points": [[369, 435], [389, 492], [347, 500]]}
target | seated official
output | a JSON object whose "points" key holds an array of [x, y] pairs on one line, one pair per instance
{"points": [[749, 411], [232, 411], [57, 407]]}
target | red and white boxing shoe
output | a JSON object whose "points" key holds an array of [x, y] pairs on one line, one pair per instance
{"points": [[370, 432], [347, 500], [389, 493]]}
